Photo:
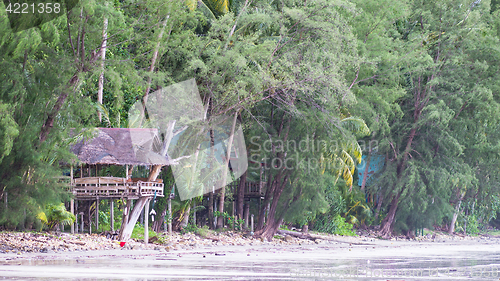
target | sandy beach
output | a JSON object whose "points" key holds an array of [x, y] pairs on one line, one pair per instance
{"points": [[349, 258]]}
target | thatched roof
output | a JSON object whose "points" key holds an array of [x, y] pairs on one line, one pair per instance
{"points": [[121, 146]]}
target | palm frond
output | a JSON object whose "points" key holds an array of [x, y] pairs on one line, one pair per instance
{"points": [[355, 125], [192, 4]]}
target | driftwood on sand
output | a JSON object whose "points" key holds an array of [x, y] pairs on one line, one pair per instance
{"points": [[310, 236]]}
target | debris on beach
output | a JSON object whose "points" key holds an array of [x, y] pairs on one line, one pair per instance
{"points": [[42, 242]]}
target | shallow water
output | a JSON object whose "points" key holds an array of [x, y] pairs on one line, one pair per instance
{"points": [[265, 264]]}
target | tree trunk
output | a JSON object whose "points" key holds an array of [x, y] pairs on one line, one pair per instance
{"points": [[103, 58], [451, 229], [125, 215], [268, 232], [387, 224], [49, 122], [240, 200], [272, 224], [157, 224], [246, 214], [211, 194], [220, 220], [270, 186], [379, 205], [274, 186], [155, 172], [72, 83], [128, 221], [211, 210], [153, 60], [185, 217]]}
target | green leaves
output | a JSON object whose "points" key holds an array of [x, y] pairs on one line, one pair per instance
{"points": [[8, 130], [428, 95], [212, 8], [337, 157], [54, 215]]}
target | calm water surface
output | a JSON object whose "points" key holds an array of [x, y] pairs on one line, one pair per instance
{"points": [[262, 265]]}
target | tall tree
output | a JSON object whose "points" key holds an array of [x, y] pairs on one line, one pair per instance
{"points": [[306, 106], [434, 75]]}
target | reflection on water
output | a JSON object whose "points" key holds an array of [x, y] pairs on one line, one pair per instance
{"points": [[475, 266]]}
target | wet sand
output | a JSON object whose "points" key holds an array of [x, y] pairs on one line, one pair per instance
{"points": [[360, 260]]}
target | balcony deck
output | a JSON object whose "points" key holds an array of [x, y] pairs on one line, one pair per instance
{"points": [[252, 189], [91, 188]]}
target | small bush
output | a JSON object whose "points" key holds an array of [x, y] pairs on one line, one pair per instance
{"points": [[335, 225], [200, 231], [138, 233], [189, 228], [54, 215], [472, 225], [284, 227], [203, 231]]}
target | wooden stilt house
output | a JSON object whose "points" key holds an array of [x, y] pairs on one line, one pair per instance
{"points": [[125, 147]]}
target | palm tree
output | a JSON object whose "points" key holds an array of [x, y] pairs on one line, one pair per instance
{"points": [[56, 214], [212, 8], [340, 159]]}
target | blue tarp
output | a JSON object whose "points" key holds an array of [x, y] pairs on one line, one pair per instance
{"points": [[376, 165]]}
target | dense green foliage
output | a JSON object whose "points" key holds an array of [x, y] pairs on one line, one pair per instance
{"points": [[420, 80], [54, 215]]}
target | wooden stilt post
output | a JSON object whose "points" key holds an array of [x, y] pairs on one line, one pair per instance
{"points": [[72, 209], [146, 227], [232, 211], [90, 219], [96, 214], [169, 216], [72, 202], [112, 214], [82, 222], [232, 215], [76, 216], [251, 223], [246, 213], [194, 214]]}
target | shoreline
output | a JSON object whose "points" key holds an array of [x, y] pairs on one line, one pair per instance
{"points": [[365, 257], [27, 245]]}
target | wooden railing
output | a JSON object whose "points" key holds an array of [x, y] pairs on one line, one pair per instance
{"points": [[112, 187], [150, 188], [252, 189]]}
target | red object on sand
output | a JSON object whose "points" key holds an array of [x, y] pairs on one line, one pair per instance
{"points": [[122, 244]]}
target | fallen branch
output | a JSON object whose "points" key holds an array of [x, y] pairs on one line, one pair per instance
{"points": [[314, 237], [76, 242]]}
